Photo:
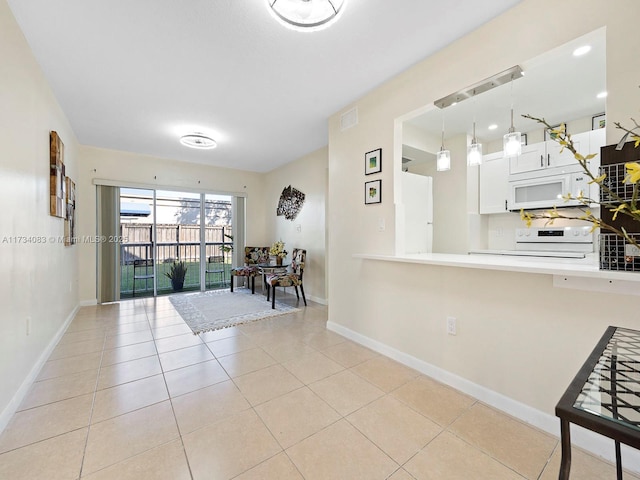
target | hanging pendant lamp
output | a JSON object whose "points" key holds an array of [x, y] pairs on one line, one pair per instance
{"points": [[474, 150], [443, 157], [512, 141]]}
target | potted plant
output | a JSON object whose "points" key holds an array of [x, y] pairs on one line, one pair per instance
{"points": [[176, 274]]}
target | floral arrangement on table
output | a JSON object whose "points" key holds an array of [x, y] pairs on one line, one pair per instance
{"points": [[615, 204], [277, 249]]}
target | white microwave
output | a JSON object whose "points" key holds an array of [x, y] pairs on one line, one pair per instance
{"points": [[538, 192]]}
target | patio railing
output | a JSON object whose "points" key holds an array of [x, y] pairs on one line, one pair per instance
{"points": [[166, 252]]}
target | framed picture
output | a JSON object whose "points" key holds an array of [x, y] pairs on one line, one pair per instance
{"points": [[57, 183], [523, 139], [599, 121], [547, 132], [373, 161], [373, 192]]}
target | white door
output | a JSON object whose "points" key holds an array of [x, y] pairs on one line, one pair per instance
{"points": [[417, 198], [533, 157]]}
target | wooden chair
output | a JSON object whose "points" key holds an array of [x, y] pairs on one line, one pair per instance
{"points": [[290, 279], [252, 257]]}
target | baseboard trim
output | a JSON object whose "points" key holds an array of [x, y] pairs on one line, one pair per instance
{"points": [[593, 443], [88, 303], [18, 397]]}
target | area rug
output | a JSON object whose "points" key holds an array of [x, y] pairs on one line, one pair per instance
{"points": [[216, 309]]}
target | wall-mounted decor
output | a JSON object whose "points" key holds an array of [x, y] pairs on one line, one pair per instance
{"points": [[373, 161], [373, 192], [290, 203], [70, 220], [599, 121], [57, 201]]}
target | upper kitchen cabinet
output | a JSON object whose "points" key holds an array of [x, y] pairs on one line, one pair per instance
{"points": [[549, 154]]}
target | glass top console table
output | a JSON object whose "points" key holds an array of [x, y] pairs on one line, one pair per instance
{"points": [[605, 395]]}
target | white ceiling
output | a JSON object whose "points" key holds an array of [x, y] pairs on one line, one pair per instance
{"points": [[135, 75], [556, 85]]}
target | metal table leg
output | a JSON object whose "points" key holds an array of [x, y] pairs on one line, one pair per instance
{"points": [[565, 438]]}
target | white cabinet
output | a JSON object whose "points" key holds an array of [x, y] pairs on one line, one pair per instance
{"points": [[494, 183], [533, 157], [549, 154]]}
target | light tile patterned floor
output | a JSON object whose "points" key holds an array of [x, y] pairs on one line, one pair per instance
{"points": [[130, 393]]}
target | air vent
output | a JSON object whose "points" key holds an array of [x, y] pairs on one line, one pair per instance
{"points": [[349, 119]]}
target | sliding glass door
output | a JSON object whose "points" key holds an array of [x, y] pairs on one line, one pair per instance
{"points": [[173, 242]]}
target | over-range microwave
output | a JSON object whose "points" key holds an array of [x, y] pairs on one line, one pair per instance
{"points": [[536, 191]]}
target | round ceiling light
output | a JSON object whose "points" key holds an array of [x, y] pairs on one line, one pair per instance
{"points": [[306, 15], [198, 140]]}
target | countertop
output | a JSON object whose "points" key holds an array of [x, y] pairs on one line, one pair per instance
{"points": [[569, 267]]}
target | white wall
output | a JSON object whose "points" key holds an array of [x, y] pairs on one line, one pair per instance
{"points": [[518, 336], [130, 168], [307, 230], [39, 280]]}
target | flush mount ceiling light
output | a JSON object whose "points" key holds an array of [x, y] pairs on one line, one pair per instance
{"points": [[306, 15], [578, 52], [198, 140]]}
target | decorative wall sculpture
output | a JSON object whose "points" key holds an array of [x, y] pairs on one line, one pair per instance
{"points": [[290, 203]]}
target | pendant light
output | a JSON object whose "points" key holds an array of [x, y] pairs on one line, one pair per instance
{"points": [[474, 150], [443, 157], [512, 141]]}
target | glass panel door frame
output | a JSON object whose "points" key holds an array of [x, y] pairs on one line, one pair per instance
{"points": [[218, 243]]}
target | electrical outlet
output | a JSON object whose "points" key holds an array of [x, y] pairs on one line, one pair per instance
{"points": [[451, 325], [28, 325], [298, 228], [381, 225]]}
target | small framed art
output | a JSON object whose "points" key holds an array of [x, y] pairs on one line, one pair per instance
{"points": [[373, 161], [599, 121], [373, 192]]}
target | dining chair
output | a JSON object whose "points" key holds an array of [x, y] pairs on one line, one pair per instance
{"points": [[253, 256], [289, 279]]}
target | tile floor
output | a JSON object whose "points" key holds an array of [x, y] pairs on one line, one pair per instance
{"points": [[130, 393]]}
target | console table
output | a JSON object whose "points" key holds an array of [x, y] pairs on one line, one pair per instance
{"points": [[605, 395]]}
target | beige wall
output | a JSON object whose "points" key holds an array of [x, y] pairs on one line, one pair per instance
{"points": [[38, 280], [130, 168], [518, 336], [307, 230]]}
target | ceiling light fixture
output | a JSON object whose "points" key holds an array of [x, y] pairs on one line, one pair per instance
{"points": [[198, 140], [443, 157], [602, 95], [306, 15], [474, 150], [578, 52], [493, 126], [512, 141]]}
